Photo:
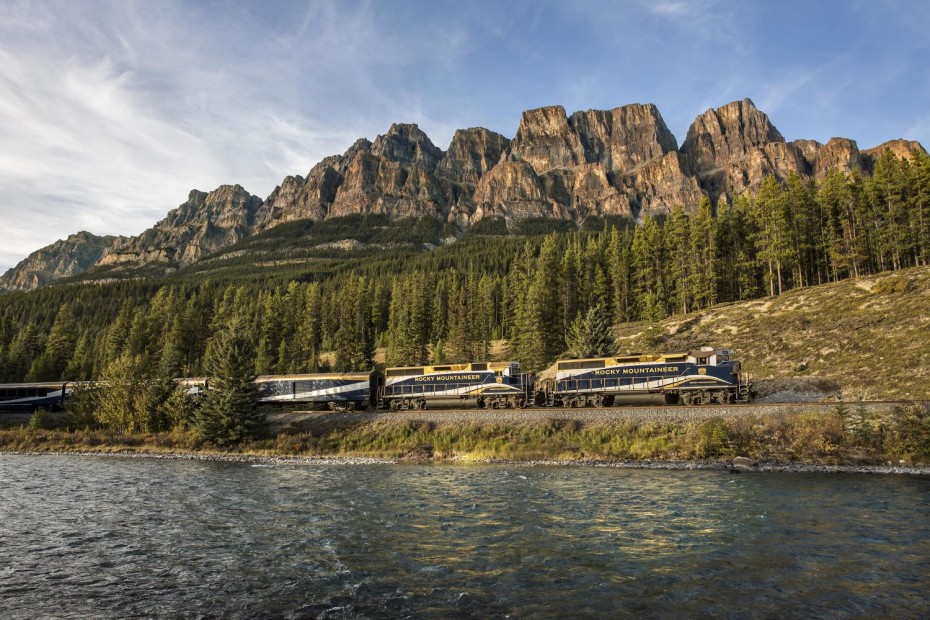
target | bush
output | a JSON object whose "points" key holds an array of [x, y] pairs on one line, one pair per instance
{"points": [[713, 439], [910, 437], [41, 419]]}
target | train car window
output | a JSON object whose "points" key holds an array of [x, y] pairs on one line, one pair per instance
{"points": [[479, 366], [441, 368]]}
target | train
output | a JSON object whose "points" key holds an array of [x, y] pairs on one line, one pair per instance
{"points": [[704, 376], [32, 396]]}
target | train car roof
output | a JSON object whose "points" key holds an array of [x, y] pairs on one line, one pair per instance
{"points": [[404, 371], [316, 376]]}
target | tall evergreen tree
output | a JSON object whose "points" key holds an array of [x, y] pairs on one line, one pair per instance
{"points": [[229, 412], [775, 233], [703, 250], [591, 334], [61, 343]]}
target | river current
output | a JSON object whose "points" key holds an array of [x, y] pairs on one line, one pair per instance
{"points": [[123, 538]]}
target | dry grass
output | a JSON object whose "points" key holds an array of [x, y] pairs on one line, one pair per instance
{"points": [[836, 435], [869, 335]]}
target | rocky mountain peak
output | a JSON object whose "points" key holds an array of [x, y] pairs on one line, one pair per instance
{"points": [[407, 144], [623, 138], [64, 258], [472, 153], [200, 226], [545, 140], [899, 148], [726, 134]]}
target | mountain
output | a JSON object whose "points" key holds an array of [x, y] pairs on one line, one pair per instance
{"points": [[622, 162], [200, 226], [64, 258]]}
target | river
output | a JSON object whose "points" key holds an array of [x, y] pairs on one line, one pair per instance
{"points": [[120, 537]]}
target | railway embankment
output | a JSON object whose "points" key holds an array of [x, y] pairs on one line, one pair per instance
{"points": [[829, 436], [640, 414]]}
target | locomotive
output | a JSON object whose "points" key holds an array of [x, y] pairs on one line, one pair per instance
{"points": [[694, 378]]}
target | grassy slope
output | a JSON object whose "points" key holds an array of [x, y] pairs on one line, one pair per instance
{"points": [[871, 335]]}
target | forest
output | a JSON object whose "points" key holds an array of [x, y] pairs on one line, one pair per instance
{"points": [[544, 294]]}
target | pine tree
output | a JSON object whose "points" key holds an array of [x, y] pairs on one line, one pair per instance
{"points": [[118, 333], [620, 271], [354, 338], [61, 343], [775, 233], [682, 260], [24, 350], [228, 414], [538, 337], [703, 250], [591, 335], [121, 402], [653, 313]]}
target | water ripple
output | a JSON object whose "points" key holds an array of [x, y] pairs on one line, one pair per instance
{"points": [[94, 537]]}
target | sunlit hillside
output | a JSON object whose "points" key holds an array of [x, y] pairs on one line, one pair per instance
{"points": [[871, 335]]}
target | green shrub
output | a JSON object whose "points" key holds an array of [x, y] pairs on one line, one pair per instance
{"points": [[713, 439], [910, 435]]}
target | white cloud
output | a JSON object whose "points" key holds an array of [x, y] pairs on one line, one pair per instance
{"points": [[108, 125]]}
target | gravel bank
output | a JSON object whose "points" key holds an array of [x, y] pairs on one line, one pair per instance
{"points": [[734, 466], [213, 457], [315, 420]]}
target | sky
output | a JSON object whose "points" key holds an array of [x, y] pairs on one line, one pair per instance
{"points": [[111, 112]]}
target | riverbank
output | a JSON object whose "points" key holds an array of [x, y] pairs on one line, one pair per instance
{"points": [[738, 465], [886, 439]]}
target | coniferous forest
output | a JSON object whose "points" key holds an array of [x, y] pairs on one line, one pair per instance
{"points": [[537, 292]]}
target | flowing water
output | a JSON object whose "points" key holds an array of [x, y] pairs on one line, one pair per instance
{"points": [[122, 538]]}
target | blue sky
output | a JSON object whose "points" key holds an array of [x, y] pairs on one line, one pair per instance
{"points": [[110, 112]]}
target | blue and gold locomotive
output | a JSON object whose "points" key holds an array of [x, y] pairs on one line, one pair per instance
{"points": [[489, 384], [694, 378]]}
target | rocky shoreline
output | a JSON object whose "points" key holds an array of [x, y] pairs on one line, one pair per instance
{"points": [[736, 465]]}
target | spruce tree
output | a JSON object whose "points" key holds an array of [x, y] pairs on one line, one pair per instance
{"points": [[591, 334], [228, 414], [61, 343]]}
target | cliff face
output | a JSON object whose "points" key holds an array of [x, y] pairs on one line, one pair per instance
{"points": [[62, 259], [200, 226], [619, 162]]}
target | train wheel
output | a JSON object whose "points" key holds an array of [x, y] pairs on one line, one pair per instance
{"points": [[421, 404]]}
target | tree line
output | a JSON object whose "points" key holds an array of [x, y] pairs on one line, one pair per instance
{"points": [[545, 295]]}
